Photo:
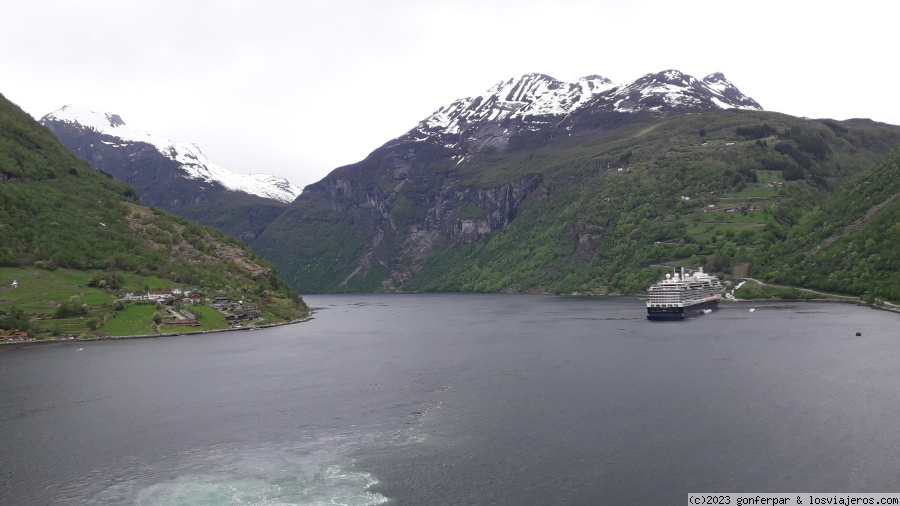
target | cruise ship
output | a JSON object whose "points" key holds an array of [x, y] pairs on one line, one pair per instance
{"points": [[681, 295]]}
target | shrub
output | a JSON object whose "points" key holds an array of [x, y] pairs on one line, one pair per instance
{"points": [[756, 132]]}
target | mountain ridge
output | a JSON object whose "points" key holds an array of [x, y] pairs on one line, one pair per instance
{"points": [[188, 155], [525, 171], [532, 107], [176, 177]]}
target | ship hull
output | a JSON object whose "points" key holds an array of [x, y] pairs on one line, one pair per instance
{"points": [[678, 313]]}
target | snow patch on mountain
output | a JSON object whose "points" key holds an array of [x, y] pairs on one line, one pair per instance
{"points": [[192, 161], [673, 89], [538, 99], [529, 97], [725, 89]]}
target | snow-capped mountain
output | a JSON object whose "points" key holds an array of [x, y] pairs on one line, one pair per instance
{"points": [[420, 194], [191, 161], [530, 97], [671, 89], [174, 176], [537, 104]]}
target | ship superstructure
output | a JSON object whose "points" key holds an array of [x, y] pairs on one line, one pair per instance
{"points": [[681, 295]]}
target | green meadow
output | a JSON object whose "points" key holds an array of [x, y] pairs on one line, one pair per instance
{"points": [[60, 302]]}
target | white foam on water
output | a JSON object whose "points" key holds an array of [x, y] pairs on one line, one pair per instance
{"points": [[314, 473], [333, 485], [413, 434]]}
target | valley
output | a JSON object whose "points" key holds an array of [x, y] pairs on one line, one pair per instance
{"points": [[533, 186]]}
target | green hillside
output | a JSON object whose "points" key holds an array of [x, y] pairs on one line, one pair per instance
{"points": [[850, 243], [691, 190], [589, 212], [59, 215]]}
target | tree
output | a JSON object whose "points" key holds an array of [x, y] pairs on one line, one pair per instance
{"points": [[16, 319], [792, 173], [71, 308]]}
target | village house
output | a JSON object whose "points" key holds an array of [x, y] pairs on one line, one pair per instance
{"points": [[159, 294]]}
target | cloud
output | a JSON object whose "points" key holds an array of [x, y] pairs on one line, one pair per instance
{"points": [[300, 88]]}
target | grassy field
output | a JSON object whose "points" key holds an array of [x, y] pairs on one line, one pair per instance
{"points": [[131, 321], [138, 320], [765, 177], [210, 319], [39, 292], [136, 283]]}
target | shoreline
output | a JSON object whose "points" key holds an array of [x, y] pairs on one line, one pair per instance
{"points": [[151, 336], [891, 308]]}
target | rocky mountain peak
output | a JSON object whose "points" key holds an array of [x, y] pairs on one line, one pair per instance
{"points": [[536, 103], [673, 90], [531, 99], [715, 77], [670, 77], [725, 88], [115, 120], [523, 88]]}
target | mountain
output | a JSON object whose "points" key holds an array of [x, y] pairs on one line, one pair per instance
{"points": [[541, 185], [534, 106], [61, 219], [174, 176]]}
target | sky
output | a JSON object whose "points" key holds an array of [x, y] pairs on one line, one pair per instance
{"points": [[298, 88]]}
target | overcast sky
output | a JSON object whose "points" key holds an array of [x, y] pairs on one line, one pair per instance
{"points": [[298, 88]]}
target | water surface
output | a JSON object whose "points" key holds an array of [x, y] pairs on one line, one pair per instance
{"points": [[460, 399]]}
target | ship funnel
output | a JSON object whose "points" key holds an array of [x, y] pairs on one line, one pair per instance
{"points": [[682, 273]]}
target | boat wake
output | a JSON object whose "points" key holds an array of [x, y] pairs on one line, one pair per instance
{"points": [[309, 473]]}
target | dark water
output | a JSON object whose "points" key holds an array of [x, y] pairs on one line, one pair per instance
{"points": [[461, 399]]}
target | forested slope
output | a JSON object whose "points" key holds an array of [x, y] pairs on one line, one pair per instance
{"points": [[56, 212], [850, 243]]}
